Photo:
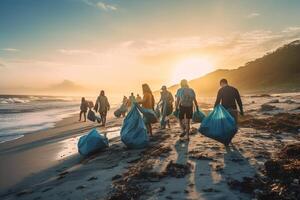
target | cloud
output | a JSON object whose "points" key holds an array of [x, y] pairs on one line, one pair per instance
{"points": [[77, 52], [252, 15], [100, 5], [227, 51], [291, 29], [10, 49]]}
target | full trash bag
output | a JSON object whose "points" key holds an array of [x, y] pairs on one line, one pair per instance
{"points": [[119, 111], [134, 133], [166, 111], [91, 143], [157, 111], [198, 115], [149, 115], [219, 125], [176, 113], [92, 116]]}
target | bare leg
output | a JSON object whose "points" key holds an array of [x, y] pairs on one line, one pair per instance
{"points": [[188, 128], [183, 127], [80, 116], [84, 114], [103, 118]]}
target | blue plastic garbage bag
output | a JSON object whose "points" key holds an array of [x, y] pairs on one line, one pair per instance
{"points": [[134, 133], [198, 115], [219, 125], [176, 113], [91, 143], [92, 116], [157, 111], [149, 115], [166, 111], [119, 111]]}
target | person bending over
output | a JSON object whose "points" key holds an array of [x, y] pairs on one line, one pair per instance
{"points": [[185, 98]]}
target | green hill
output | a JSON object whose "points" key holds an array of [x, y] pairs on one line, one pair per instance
{"points": [[278, 71]]}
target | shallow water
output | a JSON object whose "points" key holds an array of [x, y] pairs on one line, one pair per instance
{"points": [[25, 114]]}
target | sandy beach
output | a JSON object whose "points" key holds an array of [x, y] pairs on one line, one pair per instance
{"points": [[46, 165]]}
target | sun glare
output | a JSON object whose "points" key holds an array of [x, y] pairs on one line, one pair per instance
{"points": [[190, 68]]}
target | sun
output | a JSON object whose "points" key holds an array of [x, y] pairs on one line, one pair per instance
{"points": [[190, 68]]}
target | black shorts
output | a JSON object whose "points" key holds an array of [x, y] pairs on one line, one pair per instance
{"points": [[185, 112]]}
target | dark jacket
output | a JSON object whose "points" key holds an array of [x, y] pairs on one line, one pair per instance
{"points": [[228, 96]]}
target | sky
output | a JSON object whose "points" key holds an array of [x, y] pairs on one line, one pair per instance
{"points": [[117, 45]]}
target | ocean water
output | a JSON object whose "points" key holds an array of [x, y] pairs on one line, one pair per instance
{"points": [[20, 115]]}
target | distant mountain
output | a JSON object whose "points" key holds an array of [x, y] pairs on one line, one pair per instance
{"points": [[278, 71], [66, 86]]}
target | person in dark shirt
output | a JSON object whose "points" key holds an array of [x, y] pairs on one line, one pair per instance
{"points": [[83, 108], [228, 96]]}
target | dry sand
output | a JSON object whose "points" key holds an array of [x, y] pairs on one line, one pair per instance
{"points": [[46, 165]]}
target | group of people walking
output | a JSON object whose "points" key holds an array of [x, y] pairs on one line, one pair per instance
{"points": [[185, 103]]}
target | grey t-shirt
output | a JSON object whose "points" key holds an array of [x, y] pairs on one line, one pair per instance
{"points": [[186, 96]]}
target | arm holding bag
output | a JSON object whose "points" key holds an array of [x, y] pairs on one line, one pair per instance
{"points": [[219, 125], [149, 115], [198, 115], [134, 133]]}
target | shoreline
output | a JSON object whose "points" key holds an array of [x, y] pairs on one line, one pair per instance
{"points": [[40, 150], [46, 165]]}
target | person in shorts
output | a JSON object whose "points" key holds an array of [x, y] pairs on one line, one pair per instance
{"points": [[185, 100]]}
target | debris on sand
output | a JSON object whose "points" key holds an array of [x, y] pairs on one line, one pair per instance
{"points": [[261, 95], [156, 151], [274, 101], [125, 192], [195, 154], [289, 101], [281, 180], [247, 185], [287, 165], [178, 170], [281, 122], [266, 107]]}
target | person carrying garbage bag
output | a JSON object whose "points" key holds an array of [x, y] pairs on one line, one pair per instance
{"points": [[102, 106], [228, 96], [166, 101], [134, 132], [148, 103], [221, 123], [185, 98], [123, 108]]}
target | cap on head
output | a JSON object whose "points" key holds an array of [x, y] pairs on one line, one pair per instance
{"points": [[164, 87]]}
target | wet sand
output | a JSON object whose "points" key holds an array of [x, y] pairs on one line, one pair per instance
{"points": [[22, 160], [170, 168]]}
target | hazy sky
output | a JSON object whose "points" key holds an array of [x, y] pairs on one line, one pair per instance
{"points": [[118, 44]]}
